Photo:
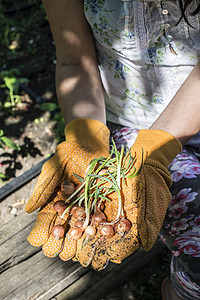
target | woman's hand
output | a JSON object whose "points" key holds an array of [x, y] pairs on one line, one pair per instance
{"points": [[85, 139], [145, 201]]}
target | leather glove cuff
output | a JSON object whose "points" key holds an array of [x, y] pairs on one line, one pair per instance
{"points": [[158, 145]]}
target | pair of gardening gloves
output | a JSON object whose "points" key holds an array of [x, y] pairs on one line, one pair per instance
{"points": [[145, 197]]}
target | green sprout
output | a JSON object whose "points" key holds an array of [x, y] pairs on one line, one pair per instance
{"points": [[98, 187]]}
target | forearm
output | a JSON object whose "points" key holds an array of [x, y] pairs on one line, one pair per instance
{"points": [[181, 117], [79, 92], [78, 83]]}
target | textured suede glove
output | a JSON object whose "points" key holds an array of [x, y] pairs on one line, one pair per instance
{"points": [[145, 201], [85, 139]]}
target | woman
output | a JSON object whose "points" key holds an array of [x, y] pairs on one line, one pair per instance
{"points": [[142, 59]]}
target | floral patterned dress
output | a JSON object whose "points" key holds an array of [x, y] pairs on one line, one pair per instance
{"points": [[144, 56], [145, 52]]}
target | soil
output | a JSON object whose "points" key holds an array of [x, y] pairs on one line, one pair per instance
{"points": [[33, 130], [28, 126]]}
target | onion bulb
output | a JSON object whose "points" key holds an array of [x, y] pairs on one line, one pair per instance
{"points": [[59, 206], [68, 187], [79, 213], [97, 218], [107, 231], [90, 230], [58, 232], [123, 226], [79, 223], [73, 209], [75, 233]]}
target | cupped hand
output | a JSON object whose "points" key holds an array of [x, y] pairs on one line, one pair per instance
{"points": [[145, 197], [86, 139]]}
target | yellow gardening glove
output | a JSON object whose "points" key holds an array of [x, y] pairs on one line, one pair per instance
{"points": [[145, 201], [85, 139]]}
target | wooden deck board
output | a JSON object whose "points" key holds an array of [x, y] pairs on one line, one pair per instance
{"points": [[39, 277], [27, 274], [94, 285], [8, 230]]}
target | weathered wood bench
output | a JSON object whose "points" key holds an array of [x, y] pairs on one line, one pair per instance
{"points": [[27, 274]]}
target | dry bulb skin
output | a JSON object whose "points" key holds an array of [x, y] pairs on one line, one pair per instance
{"points": [[73, 209], [58, 232], [123, 226], [85, 202], [59, 206], [107, 231], [79, 223], [68, 188], [90, 230], [97, 218], [75, 233], [79, 213]]}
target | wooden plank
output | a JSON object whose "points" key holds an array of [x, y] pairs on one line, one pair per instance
{"points": [[16, 249], [43, 278], [21, 180], [39, 277], [95, 285], [8, 230], [27, 274], [74, 275], [13, 241]]}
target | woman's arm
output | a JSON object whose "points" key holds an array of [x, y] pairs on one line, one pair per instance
{"points": [[78, 85], [181, 117]]}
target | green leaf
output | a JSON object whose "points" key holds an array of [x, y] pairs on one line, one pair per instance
{"points": [[104, 197], [8, 104], [48, 106], [134, 173], [78, 177], [12, 83], [42, 120], [9, 143], [3, 176], [10, 73]]}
